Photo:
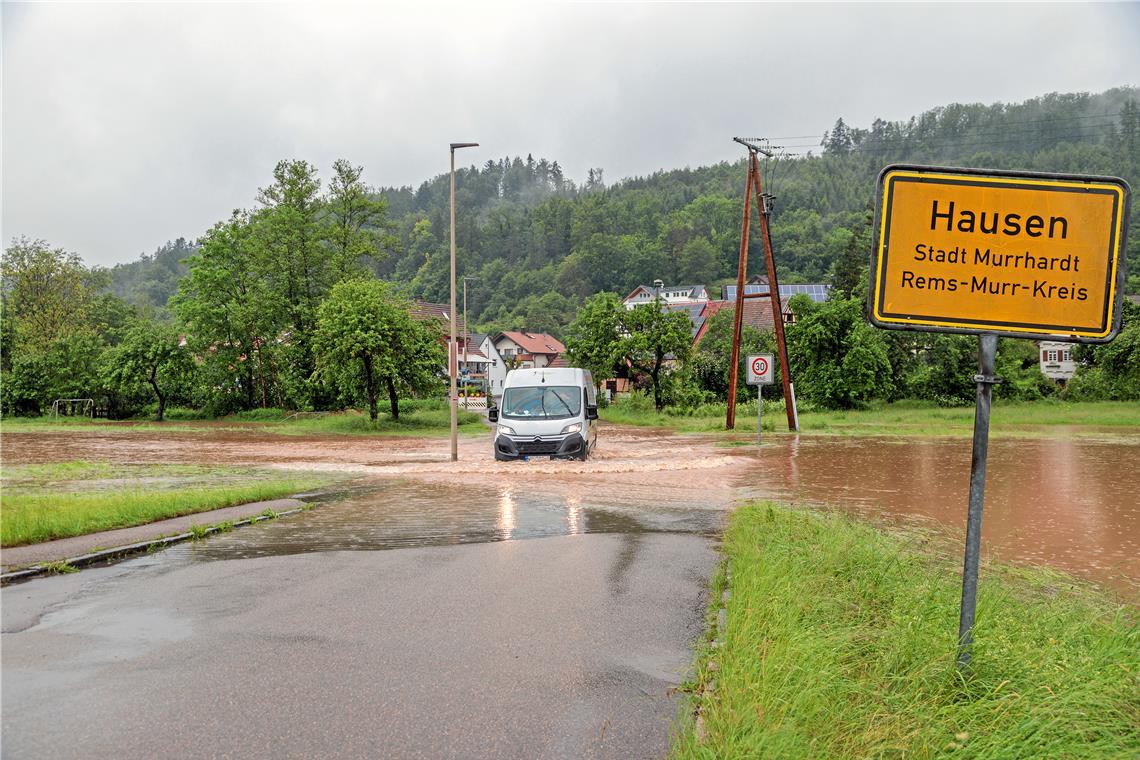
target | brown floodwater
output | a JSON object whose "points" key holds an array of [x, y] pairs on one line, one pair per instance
{"points": [[1070, 502]]}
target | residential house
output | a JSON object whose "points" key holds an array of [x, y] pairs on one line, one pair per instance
{"points": [[757, 314], [528, 350], [496, 371], [817, 292], [516, 350], [1057, 361], [674, 295], [473, 364], [441, 314]]}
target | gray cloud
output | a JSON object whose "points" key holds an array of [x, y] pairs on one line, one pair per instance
{"points": [[126, 125]]}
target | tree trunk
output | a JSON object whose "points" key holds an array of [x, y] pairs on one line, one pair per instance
{"points": [[370, 386], [158, 394], [393, 402], [659, 359], [248, 372], [655, 374]]}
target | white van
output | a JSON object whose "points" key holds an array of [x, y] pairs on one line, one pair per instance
{"points": [[546, 412]]}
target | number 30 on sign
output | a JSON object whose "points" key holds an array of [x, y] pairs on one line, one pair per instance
{"points": [[760, 369]]}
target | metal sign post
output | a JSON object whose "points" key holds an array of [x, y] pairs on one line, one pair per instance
{"points": [[759, 411], [759, 374], [987, 352], [991, 253]]}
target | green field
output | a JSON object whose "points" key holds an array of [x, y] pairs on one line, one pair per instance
{"points": [[901, 418], [431, 420], [49, 501], [840, 641]]}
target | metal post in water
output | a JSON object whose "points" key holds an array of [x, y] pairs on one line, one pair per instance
{"points": [[987, 349], [759, 410]]}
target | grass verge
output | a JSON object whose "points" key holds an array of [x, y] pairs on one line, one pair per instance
{"points": [[46, 502], [840, 642], [1034, 418], [424, 420]]}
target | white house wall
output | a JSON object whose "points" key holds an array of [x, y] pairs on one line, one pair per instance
{"points": [[496, 370]]}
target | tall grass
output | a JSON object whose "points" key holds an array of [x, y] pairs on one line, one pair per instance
{"points": [[840, 642], [900, 418], [32, 517]]}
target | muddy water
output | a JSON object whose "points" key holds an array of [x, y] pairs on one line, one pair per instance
{"points": [[1068, 502]]}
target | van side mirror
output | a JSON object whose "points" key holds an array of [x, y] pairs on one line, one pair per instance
{"points": [[591, 412], [493, 414]]}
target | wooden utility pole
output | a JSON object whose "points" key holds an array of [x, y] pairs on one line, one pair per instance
{"points": [[738, 317], [763, 207]]}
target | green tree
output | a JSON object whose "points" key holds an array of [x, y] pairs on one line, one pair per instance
{"points": [[710, 363], [1110, 371], [287, 243], [234, 318], [150, 353], [593, 339], [651, 338], [367, 338], [356, 223], [698, 262], [849, 274], [53, 326], [838, 360], [48, 292]]}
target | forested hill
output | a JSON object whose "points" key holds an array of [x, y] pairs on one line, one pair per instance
{"points": [[538, 243]]}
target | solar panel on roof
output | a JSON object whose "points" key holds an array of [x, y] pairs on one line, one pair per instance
{"points": [[816, 291]]}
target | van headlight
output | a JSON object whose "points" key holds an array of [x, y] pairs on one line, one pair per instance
{"points": [[575, 428], [504, 430]]}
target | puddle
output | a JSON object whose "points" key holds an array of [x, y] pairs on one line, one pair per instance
{"points": [[394, 513]]}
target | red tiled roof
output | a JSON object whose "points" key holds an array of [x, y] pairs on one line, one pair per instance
{"points": [[560, 361], [440, 311], [757, 314], [536, 343]]}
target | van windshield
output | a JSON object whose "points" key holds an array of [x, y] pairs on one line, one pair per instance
{"points": [[549, 402]]}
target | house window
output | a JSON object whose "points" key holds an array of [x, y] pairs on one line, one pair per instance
{"points": [[1052, 355], [1066, 356]]}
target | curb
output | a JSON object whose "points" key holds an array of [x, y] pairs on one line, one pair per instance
{"points": [[711, 666], [121, 552]]}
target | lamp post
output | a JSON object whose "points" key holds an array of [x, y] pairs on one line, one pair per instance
{"points": [[466, 338], [452, 354]]}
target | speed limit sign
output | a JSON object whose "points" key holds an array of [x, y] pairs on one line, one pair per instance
{"points": [[760, 369]]}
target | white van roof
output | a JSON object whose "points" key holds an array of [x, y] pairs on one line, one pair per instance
{"points": [[547, 376]]}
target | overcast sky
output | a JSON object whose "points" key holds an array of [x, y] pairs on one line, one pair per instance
{"points": [[125, 125]]}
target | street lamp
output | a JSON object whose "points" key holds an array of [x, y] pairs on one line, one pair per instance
{"points": [[466, 339], [452, 354]]}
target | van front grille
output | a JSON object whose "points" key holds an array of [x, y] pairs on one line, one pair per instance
{"points": [[537, 447]]}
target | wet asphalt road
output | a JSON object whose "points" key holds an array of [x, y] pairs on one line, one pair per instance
{"points": [[556, 647]]}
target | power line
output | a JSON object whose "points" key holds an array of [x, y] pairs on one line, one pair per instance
{"points": [[942, 143], [984, 128]]}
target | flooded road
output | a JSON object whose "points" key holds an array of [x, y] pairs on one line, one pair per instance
{"points": [[1067, 502], [305, 637]]}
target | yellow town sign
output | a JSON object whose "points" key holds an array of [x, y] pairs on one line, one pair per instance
{"points": [[1017, 254]]}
